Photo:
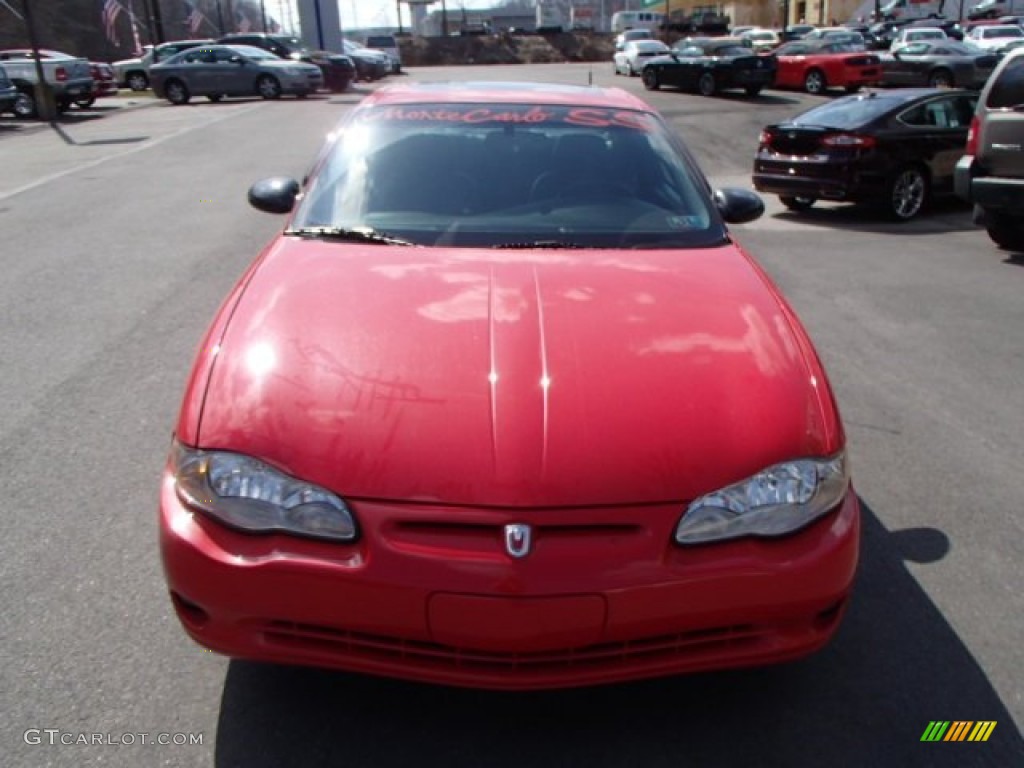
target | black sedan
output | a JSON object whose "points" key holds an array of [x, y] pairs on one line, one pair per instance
{"points": [[894, 148], [939, 64], [709, 65]]}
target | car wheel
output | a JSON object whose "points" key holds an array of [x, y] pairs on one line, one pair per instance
{"points": [[752, 90], [650, 78], [25, 105], [941, 78], [707, 85], [814, 82], [86, 102], [797, 203], [268, 87], [1005, 231], [176, 92], [137, 81], [215, 97], [907, 194]]}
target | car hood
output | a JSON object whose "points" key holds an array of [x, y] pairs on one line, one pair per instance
{"points": [[514, 378]]}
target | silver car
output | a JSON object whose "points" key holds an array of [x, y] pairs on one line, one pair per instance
{"points": [[216, 71]]}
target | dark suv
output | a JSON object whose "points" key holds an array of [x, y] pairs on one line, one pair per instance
{"points": [[991, 173], [338, 69]]}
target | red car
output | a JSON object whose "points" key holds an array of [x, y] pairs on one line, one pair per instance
{"points": [[104, 83], [554, 431], [816, 66]]}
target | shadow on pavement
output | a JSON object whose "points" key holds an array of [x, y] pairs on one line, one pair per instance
{"points": [[947, 214], [866, 700]]}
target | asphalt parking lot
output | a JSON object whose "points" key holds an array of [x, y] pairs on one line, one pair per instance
{"points": [[123, 229]]}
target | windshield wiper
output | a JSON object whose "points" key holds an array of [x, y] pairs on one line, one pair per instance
{"points": [[539, 244], [348, 234]]}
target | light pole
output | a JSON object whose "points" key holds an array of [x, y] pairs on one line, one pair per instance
{"points": [[46, 108]]}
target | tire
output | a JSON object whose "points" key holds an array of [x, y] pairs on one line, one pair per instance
{"points": [[815, 82], [86, 102], [650, 78], [707, 85], [176, 92], [752, 90], [137, 81], [907, 193], [797, 203], [1005, 231], [215, 97], [268, 87], [941, 78], [25, 105], [629, 69]]}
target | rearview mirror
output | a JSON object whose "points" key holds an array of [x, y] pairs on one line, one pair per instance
{"points": [[738, 206], [274, 195]]}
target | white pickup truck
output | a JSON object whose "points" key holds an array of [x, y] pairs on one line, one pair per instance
{"points": [[69, 77]]}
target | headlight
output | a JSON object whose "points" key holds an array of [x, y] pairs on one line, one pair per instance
{"points": [[249, 495], [775, 502]]}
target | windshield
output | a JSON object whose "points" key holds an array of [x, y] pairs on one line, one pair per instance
{"points": [[486, 175], [252, 52], [1004, 32]]}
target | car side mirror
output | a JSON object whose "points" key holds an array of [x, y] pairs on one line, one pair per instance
{"points": [[274, 195], [738, 206]]}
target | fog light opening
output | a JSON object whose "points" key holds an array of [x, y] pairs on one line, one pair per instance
{"points": [[827, 619], [190, 613]]}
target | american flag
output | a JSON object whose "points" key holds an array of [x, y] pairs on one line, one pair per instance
{"points": [[136, 42], [274, 27], [242, 22], [194, 18], [111, 9]]}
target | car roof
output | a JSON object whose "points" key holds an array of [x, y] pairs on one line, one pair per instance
{"points": [[46, 52], [506, 93]]}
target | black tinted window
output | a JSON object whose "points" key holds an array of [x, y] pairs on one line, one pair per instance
{"points": [[849, 112], [1008, 89]]}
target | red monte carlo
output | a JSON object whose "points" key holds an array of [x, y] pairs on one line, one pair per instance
{"points": [[505, 405]]}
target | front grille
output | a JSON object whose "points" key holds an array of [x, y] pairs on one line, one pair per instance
{"points": [[346, 644]]}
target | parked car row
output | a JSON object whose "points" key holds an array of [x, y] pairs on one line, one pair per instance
{"points": [[70, 79], [902, 148], [897, 148], [710, 65], [177, 72], [814, 64]]}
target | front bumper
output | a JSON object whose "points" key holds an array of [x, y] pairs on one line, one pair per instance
{"points": [[604, 601]]}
